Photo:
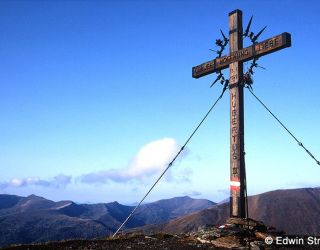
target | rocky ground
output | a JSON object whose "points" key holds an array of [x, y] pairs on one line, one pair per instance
{"points": [[235, 234], [160, 241]]}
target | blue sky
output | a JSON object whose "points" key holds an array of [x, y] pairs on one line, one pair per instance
{"points": [[96, 96]]}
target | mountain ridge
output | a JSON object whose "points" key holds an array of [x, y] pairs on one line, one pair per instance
{"points": [[35, 219], [295, 211]]}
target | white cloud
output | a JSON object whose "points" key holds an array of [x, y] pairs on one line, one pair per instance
{"points": [[56, 182], [15, 182], [151, 159]]}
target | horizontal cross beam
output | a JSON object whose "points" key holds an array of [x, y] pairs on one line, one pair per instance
{"points": [[254, 51]]}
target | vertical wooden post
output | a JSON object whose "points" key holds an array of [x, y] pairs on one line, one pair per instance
{"points": [[237, 163], [235, 59]]}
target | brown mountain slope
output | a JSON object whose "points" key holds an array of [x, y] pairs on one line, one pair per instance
{"points": [[296, 211]]}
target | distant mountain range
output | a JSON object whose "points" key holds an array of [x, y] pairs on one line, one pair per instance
{"points": [[295, 211], [36, 219]]}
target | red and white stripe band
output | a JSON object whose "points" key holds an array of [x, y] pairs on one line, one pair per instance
{"points": [[235, 185]]}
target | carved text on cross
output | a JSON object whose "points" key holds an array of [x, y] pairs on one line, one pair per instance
{"points": [[254, 51]]}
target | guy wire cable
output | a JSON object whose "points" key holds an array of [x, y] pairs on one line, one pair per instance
{"points": [[299, 143], [171, 163]]}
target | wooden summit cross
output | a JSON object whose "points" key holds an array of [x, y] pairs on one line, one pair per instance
{"points": [[234, 61]]}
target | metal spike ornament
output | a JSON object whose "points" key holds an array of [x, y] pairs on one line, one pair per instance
{"points": [[245, 34], [247, 80], [225, 39], [217, 79], [222, 43], [254, 39]]}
